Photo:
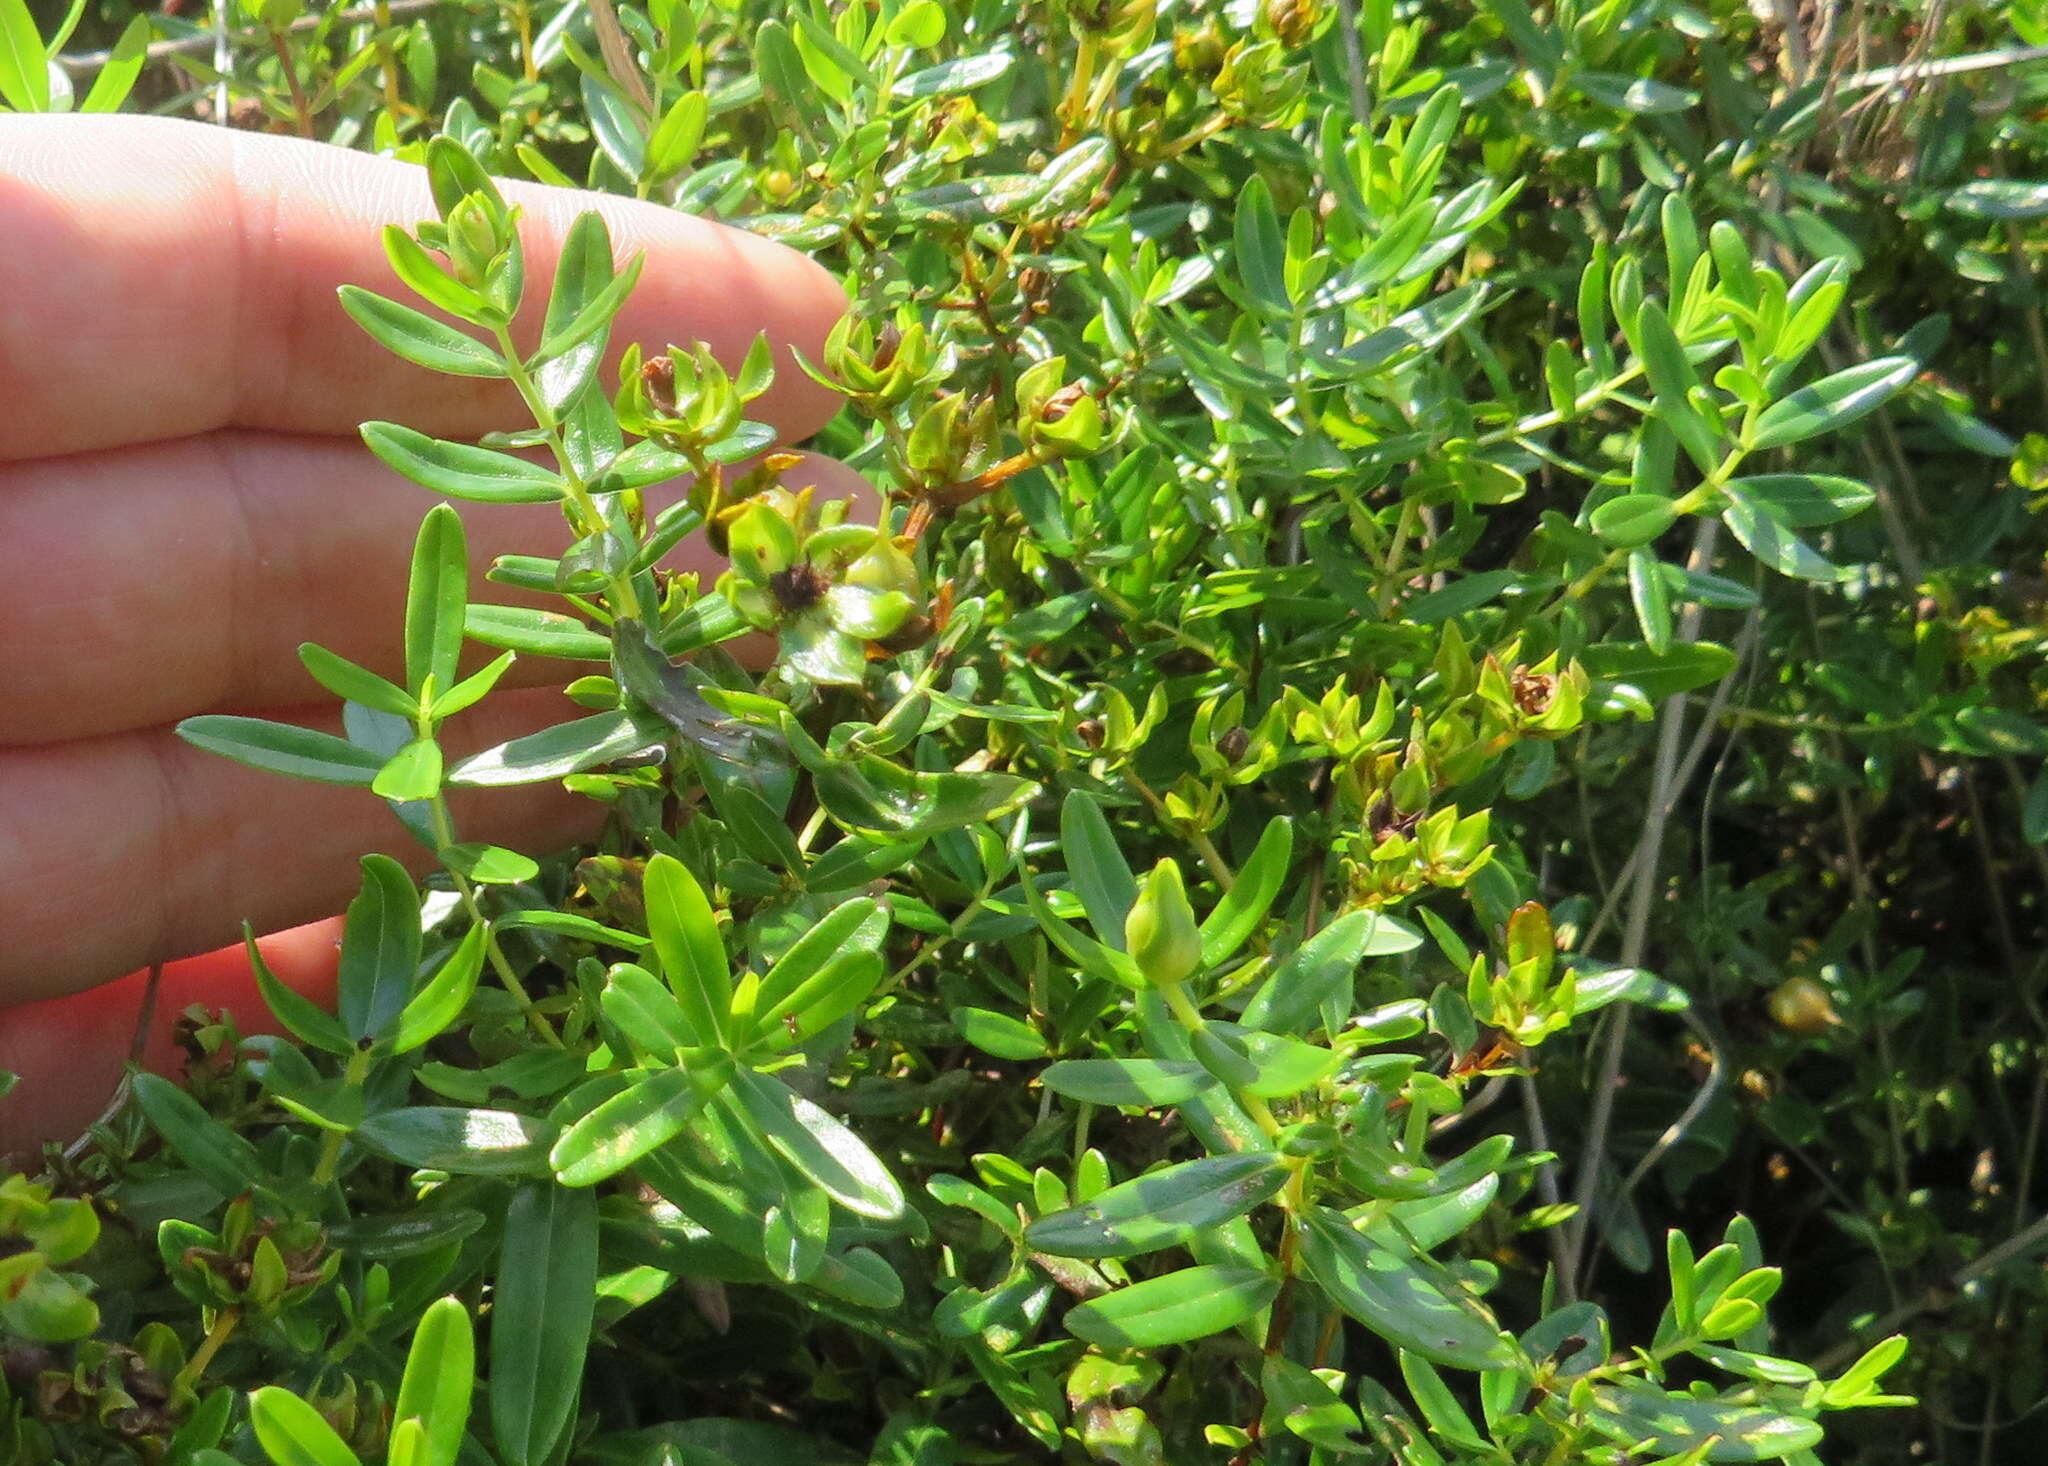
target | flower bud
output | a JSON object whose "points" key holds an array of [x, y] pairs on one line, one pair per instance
{"points": [[473, 240], [1160, 932]]}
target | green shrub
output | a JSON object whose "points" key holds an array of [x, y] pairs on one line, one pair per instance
{"points": [[1376, 506]]}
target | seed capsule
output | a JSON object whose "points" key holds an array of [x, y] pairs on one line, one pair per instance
{"points": [[1801, 1005]]}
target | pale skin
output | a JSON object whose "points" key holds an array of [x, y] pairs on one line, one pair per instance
{"points": [[184, 500]]}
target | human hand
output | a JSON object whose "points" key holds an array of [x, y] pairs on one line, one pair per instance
{"points": [[184, 500]]}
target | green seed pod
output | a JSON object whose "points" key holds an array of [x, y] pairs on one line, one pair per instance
{"points": [[1801, 1005], [1160, 933]]}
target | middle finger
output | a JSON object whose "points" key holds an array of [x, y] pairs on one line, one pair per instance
{"points": [[141, 585]]}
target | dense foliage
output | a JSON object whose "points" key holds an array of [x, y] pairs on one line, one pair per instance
{"points": [[1431, 774]]}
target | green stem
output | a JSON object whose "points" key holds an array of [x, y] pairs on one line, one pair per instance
{"points": [[1190, 1018], [1688, 503], [1218, 867], [357, 1070], [932, 949], [1585, 402], [1074, 105], [444, 836], [223, 1327], [584, 516]]}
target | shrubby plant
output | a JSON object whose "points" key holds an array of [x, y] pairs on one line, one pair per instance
{"points": [[1136, 978]]}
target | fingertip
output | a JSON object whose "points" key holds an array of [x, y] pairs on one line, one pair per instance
{"points": [[68, 1052]]}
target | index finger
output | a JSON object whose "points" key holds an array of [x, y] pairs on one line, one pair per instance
{"points": [[164, 278]]}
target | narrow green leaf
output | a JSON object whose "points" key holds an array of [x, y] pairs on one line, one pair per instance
{"points": [[380, 948], [1400, 1298], [613, 123], [429, 280], [1659, 674], [1164, 1208], [819, 1001], [544, 1300], [461, 470], [540, 633], [418, 337], [1148, 1082], [1067, 182], [673, 145], [2034, 810], [472, 688], [1671, 375], [24, 70], [1805, 500], [1650, 594], [465, 1141], [1998, 198], [1100, 875], [999, 1033], [1635, 94], [222, 1158], [781, 70], [442, 1000], [1310, 1408], [1261, 250], [121, 69], [1320, 969], [283, 748], [643, 1118], [1767, 538], [303, 1018], [440, 1376], [436, 592], [553, 753], [1860, 1379], [1665, 1423], [1833, 402], [346, 680], [293, 1433], [962, 73], [568, 924], [595, 317], [489, 865], [920, 25], [1632, 519], [1282, 1066], [834, 1159], [1427, 1221], [1596, 989], [1244, 905], [1460, 596], [1190, 1304], [861, 1277], [874, 796], [412, 773], [688, 946], [453, 173], [646, 1012]]}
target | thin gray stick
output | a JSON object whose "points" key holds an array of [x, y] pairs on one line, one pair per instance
{"points": [[1703, 738], [2019, 1245], [1884, 76], [1663, 796]]}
